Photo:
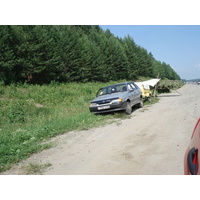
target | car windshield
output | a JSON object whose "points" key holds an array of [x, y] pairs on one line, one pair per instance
{"points": [[112, 89]]}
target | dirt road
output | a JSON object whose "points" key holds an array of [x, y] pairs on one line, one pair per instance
{"points": [[152, 141]]}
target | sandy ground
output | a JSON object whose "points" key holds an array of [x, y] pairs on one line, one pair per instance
{"points": [[151, 142]]}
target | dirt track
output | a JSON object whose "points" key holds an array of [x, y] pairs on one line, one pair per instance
{"points": [[152, 141]]}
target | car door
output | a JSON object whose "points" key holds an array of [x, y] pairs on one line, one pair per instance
{"points": [[192, 155], [132, 93], [139, 93], [136, 92]]}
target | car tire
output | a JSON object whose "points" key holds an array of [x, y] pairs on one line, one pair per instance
{"points": [[128, 110], [140, 105]]}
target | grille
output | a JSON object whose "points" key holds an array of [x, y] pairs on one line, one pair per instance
{"points": [[104, 101]]}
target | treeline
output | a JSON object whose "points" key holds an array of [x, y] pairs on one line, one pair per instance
{"points": [[41, 54]]}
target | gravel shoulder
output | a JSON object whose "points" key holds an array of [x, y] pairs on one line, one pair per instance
{"points": [[151, 142]]}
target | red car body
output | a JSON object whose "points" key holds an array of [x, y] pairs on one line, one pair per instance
{"points": [[192, 154]]}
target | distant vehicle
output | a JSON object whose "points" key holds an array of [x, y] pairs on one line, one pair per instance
{"points": [[145, 89], [121, 96], [192, 155]]}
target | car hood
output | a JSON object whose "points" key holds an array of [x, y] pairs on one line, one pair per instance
{"points": [[110, 96]]}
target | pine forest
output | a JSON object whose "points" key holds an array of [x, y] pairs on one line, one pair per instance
{"points": [[40, 54]]}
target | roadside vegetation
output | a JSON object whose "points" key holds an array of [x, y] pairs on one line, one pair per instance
{"points": [[168, 85], [35, 168]]}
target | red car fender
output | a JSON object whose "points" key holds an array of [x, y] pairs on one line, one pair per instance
{"points": [[192, 155]]}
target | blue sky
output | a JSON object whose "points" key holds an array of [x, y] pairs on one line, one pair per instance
{"points": [[176, 45]]}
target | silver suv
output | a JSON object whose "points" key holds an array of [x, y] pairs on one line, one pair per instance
{"points": [[121, 96]]}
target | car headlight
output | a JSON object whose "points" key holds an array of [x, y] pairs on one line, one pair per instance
{"points": [[116, 100], [93, 104]]}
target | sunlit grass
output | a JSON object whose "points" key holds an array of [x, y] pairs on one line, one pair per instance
{"points": [[30, 114]]}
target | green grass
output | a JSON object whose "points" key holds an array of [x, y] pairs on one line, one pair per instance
{"points": [[30, 114], [35, 168], [153, 100]]}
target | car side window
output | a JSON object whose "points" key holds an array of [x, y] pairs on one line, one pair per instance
{"points": [[135, 86], [130, 87]]}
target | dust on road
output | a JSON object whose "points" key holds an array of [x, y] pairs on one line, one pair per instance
{"points": [[152, 141]]}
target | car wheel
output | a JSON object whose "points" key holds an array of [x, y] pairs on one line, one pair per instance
{"points": [[128, 110], [140, 105]]}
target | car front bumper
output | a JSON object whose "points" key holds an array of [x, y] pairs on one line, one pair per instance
{"points": [[108, 107]]}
